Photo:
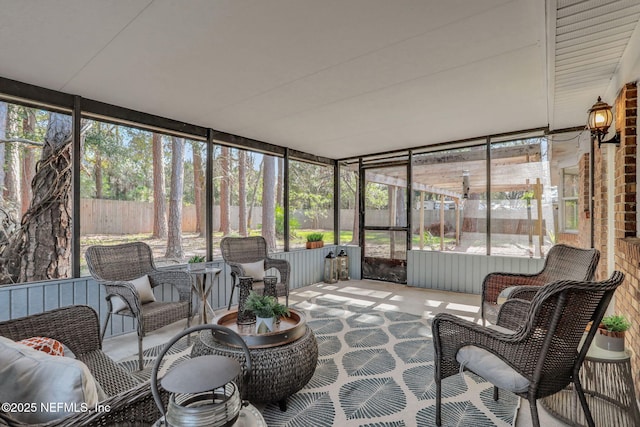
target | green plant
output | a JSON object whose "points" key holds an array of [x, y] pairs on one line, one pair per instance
{"points": [[265, 306], [294, 224], [315, 237], [615, 323], [196, 258]]}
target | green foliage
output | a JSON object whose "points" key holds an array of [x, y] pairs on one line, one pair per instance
{"points": [[615, 323], [293, 223], [315, 237], [196, 258], [265, 306]]}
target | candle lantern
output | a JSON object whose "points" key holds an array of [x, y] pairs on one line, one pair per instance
{"points": [[330, 268], [202, 390], [343, 265]]}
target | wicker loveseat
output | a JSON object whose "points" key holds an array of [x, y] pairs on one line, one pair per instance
{"points": [[78, 328]]}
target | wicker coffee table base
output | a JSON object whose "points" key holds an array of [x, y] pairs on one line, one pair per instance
{"points": [[277, 372]]}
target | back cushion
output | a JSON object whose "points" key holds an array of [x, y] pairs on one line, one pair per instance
{"points": [[143, 286], [34, 377]]}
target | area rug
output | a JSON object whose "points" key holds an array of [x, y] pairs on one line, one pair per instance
{"points": [[375, 368]]}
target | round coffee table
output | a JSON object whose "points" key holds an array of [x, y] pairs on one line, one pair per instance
{"points": [[277, 371]]}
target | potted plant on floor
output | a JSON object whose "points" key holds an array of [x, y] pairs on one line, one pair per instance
{"points": [[610, 334], [314, 240], [267, 310]]}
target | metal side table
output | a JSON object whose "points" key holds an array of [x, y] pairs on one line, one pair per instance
{"points": [[607, 381], [202, 287]]}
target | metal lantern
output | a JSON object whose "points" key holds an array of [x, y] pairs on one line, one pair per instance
{"points": [[343, 265], [330, 268], [202, 391]]}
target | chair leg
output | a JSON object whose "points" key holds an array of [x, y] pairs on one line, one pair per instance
{"points": [[535, 419], [139, 352], [438, 402], [231, 297], [496, 393], [104, 328], [583, 402]]}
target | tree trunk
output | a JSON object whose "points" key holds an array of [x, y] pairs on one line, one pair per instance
{"points": [[159, 197], [41, 250], [4, 118], [355, 237], [225, 194], [242, 193], [28, 160], [252, 203], [97, 174], [174, 242], [269, 202], [12, 170], [280, 191], [198, 185]]}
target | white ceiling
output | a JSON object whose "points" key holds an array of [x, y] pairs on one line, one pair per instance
{"points": [[334, 78]]}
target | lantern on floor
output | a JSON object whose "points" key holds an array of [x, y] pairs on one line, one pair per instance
{"points": [[330, 268], [202, 391], [343, 265]]}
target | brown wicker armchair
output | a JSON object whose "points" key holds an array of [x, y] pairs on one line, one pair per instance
{"points": [[242, 250], [534, 350], [78, 327], [115, 266], [563, 262]]}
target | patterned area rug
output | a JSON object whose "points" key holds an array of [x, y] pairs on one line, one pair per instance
{"points": [[375, 368], [179, 351]]}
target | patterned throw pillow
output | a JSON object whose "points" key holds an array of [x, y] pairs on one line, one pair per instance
{"points": [[48, 345]]}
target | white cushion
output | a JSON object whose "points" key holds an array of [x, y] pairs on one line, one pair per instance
{"points": [[491, 367], [32, 376], [145, 293], [254, 269]]}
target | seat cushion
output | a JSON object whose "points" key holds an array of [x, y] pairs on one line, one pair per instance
{"points": [[254, 270], [492, 368], [145, 293], [34, 377]]}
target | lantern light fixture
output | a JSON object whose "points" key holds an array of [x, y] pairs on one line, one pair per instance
{"points": [[599, 120]]}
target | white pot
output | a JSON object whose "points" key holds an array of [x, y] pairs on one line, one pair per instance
{"points": [[264, 324]]}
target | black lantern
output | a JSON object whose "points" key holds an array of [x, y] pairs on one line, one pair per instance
{"points": [[343, 265], [600, 118], [330, 268]]}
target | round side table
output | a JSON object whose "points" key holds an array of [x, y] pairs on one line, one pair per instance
{"points": [[607, 381]]}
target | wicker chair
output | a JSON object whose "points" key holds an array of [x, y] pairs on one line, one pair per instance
{"points": [[242, 250], [78, 327], [563, 262], [534, 350], [114, 266]]}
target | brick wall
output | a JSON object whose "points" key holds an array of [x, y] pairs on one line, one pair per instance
{"points": [[584, 224], [627, 250]]}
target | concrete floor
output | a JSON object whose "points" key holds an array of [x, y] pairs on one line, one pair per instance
{"points": [[422, 302]]}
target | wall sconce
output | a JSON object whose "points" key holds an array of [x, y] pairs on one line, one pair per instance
{"points": [[600, 118]]}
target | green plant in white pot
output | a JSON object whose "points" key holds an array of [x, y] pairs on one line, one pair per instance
{"points": [[611, 332], [267, 310]]}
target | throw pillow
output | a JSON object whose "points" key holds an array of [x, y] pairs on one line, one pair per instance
{"points": [[254, 269], [145, 293], [34, 377], [47, 345]]}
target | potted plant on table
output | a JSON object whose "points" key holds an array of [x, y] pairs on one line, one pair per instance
{"points": [[314, 240], [267, 310], [610, 334]]}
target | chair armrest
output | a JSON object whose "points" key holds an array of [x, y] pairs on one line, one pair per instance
{"points": [[450, 333], [181, 280], [495, 283], [524, 292], [513, 313], [76, 326], [127, 292], [283, 266]]}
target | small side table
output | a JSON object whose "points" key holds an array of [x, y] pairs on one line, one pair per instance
{"points": [[202, 287], [607, 381]]}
